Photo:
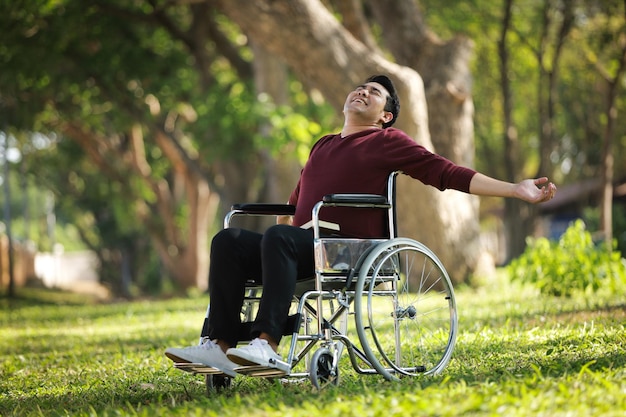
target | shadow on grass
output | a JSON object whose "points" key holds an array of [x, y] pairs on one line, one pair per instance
{"points": [[107, 396], [564, 312], [168, 389], [555, 357], [516, 347], [164, 390], [30, 297], [57, 307]]}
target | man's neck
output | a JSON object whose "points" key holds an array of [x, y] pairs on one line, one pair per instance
{"points": [[352, 129]]}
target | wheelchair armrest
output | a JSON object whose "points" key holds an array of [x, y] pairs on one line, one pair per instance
{"points": [[356, 199], [265, 209]]}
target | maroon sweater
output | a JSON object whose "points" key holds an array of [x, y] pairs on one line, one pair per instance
{"points": [[361, 163]]}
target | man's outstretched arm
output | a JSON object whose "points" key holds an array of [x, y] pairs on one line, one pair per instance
{"points": [[530, 190]]}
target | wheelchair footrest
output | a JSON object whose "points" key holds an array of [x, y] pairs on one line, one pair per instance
{"points": [[254, 370], [198, 368]]}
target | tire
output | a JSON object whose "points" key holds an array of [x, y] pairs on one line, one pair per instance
{"points": [[323, 369], [405, 310]]}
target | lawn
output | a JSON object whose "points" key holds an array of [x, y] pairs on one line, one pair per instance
{"points": [[518, 354]]}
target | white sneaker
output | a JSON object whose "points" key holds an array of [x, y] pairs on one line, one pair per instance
{"points": [[258, 352], [207, 353]]}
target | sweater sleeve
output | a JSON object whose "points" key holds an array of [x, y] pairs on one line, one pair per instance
{"points": [[428, 167]]}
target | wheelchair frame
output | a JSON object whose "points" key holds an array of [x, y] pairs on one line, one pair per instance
{"points": [[397, 289]]}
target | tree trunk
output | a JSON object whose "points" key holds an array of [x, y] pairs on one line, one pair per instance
{"points": [[606, 204], [520, 218], [182, 248], [450, 226], [7, 219], [516, 217], [280, 172]]}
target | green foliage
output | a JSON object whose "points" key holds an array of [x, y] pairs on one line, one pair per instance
{"points": [[591, 215], [518, 354], [292, 132], [573, 264], [589, 54]]}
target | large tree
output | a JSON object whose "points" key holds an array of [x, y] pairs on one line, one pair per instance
{"points": [[433, 81]]}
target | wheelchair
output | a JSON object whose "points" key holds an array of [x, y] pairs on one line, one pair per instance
{"points": [[396, 290]]}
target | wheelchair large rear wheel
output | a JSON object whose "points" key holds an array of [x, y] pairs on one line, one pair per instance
{"points": [[405, 310]]}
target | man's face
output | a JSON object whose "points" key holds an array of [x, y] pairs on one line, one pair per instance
{"points": [[367, 102]]}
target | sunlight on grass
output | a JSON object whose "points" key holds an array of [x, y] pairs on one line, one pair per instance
{"points": [[518, 353]]}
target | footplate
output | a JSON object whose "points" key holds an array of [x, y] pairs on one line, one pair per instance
{"points": [[254, 370], [198, 368]]}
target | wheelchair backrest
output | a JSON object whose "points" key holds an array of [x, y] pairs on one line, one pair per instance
{"points": [[338, 254]]}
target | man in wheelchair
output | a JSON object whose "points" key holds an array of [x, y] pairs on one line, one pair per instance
{"points": [[358, 159]]}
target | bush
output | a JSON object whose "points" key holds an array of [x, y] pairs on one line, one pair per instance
{"points": [[591, 215], [573, 264]]}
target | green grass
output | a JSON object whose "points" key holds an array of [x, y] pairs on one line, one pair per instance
{"points": [[518, 354]]}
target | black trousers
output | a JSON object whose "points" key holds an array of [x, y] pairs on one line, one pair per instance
{"points": [[276, 259]]}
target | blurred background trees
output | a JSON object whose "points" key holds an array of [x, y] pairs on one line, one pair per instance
{"points": [[134, 125]]}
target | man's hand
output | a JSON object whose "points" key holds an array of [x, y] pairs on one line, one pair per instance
{"points": [[535, 190], [288, 220]]}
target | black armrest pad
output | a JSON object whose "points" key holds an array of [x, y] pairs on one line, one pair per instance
{"points": [[261, 208], [355, 199]]}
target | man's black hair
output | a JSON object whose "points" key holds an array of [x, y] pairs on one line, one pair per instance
{"points": [[393, 104]]}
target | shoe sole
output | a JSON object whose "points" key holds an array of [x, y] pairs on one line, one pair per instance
{"points": [[196, 367], [274, 366], [176, 359], [243, 361]]}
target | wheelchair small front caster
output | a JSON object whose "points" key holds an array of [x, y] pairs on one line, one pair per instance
{"points": [[322, 370], [217, 382]]}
